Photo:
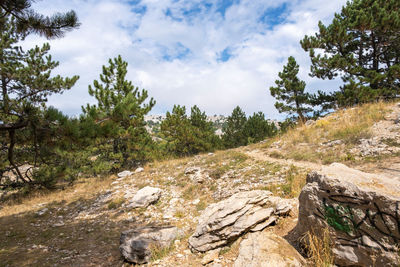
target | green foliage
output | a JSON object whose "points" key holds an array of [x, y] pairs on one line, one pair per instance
{"points": [[234, 130], [361, 45], [240, 131], [188, 135], [289, 92], [26, 80], [257, 128], [29, 21], [118, 116]]}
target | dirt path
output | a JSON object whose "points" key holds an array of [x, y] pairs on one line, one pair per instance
{"points": [[262, 156]]}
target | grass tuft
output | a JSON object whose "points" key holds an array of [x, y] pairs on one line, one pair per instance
{"points": [[319, 249]]}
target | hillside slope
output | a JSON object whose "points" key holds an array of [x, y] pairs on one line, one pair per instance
{"points": [[81, 225]]}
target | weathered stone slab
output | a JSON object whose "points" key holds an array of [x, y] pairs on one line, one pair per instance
{"points": [[361, 210], [223, 222], [145, 196], [267, 249]]}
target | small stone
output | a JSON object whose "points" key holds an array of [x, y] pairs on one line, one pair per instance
{"points": [[177, 242], [179, 256], [210, 256], [138, 170], [145, 197], [124, 174], [41, 212], [196, 201], [167, 216]]}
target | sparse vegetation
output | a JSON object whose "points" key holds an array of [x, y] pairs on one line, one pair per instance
{"points": [[62, 204], [157, 253], [346, 125], [320, 249], [116, 203]]}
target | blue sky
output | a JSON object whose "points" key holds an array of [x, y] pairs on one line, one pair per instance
{"points": [[214, 53]]}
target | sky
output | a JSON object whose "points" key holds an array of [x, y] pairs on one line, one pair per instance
{"points": [[217, 54]]}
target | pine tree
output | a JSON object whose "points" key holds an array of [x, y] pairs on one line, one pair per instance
{"points": [[257, 128], [234, 130], [290, 91], [26, 82], [120, 112], [188, 135], [362, 46], [177, 131], [204, 131], [28, 21]]}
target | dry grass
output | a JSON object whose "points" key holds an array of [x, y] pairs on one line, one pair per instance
{"points": [[319, 249], [157, 252], [348, 125], [83, 189], [295, 179]]}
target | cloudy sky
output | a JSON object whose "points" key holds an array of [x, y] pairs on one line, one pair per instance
{"points": [[214, 53]]}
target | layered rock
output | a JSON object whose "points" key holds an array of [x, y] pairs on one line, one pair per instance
{"points": [[136, 245], [361, 211], [145, 196], [223, 222], [267, 249]]}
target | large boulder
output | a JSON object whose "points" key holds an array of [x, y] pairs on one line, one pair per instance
{"points": [[145, 196], [136, 245], [361, 211], [267, 249], [223, 222]]}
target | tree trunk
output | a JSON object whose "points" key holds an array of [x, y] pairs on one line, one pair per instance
{"points": [[11, 134]]}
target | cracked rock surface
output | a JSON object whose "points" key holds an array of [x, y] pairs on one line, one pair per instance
{"points": [[223, 222]]}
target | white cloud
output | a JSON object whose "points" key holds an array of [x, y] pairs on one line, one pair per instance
{"points": [[111, 27]]}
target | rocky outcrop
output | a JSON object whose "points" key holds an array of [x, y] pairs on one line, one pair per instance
{"points": [[267, 249], [136, 245], [145, 196], [223, 222], [361, 211]]}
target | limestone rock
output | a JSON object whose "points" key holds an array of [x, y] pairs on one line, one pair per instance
{"points": [[124, 174], [267, 249], [145, 196], [136, 245], [361, 211], [138, 170], [223, 222]]}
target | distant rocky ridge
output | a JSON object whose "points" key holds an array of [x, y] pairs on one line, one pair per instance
{"points": [[153, 122]]}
